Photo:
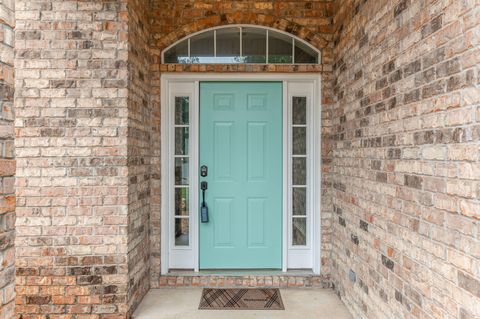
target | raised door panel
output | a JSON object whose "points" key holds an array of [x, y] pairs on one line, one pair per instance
{"points": [[256, 148], [222, 211], [222, 149], [256, 222]]}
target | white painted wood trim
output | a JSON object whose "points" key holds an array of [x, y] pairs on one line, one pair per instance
{"points": [[194, 136], [179, 256], [167, 80], [197, 76], [286, 165], [164, 157], [302, 256], [317, 176]]}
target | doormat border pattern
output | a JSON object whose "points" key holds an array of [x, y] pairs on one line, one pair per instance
{"points": [[241, 299]]}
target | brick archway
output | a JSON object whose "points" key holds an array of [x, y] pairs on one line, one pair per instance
{"points": [[182, 27], [295, 29]]}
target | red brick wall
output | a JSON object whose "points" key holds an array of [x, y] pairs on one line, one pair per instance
{"points": [[72, 173], [7, 162], [87, 143], [406, 159], [400, 149]]}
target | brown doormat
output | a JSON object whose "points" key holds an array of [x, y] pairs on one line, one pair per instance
{"points": [[241, 299]]}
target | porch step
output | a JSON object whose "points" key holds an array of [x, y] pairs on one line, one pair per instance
{"points": [[230, 279]]}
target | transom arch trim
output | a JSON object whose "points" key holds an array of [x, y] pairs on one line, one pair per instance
{"points": [[247, 18], [308, 36]]}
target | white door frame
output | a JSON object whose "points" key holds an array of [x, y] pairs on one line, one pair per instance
{"points": [[187, 84]]}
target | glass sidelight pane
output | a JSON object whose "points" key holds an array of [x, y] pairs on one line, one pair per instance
{"points": [[299, 116], [254, 45], [181, 110], [299, 201], [299, 171], [305, 54], [228, 45], [181, 232], [299, 232], [299, 141], [181, 171], [181, 141], [181, 201], [279, 48]]}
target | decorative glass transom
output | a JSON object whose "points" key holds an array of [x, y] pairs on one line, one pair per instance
{"points": [[241, 44]]}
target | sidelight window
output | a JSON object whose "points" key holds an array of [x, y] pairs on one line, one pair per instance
{"points": [[182, 159], [299, 171], [241, 45]]}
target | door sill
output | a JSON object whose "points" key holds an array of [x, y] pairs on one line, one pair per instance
{"points": [[241, 272], [243, 278]]}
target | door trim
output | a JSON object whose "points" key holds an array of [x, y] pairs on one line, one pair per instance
{"points": [[187, 84]]}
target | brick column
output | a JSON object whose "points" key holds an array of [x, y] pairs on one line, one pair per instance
{"points": [[71, 103]]}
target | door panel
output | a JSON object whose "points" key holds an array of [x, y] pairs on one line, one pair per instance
{"points": [[256, 222], [222, 221], [222, 150], [241, 143], [256, 159]]}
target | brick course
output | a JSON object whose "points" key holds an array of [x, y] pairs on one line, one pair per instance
{"points": [[405, 158]]}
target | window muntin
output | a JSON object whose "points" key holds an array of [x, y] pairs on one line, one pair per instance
{"points": [[241, 45]]}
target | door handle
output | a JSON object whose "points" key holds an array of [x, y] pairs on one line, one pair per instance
{"points": [[204, 208]]}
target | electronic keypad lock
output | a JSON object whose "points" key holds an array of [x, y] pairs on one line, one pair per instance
{"points": [[204, 171]]}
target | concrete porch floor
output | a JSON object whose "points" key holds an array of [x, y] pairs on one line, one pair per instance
{"points": [[183, 303]]}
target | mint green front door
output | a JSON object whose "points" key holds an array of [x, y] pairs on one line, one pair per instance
{"points": [[241, 144]]}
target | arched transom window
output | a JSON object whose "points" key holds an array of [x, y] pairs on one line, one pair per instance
{"points": [[241, 44]]}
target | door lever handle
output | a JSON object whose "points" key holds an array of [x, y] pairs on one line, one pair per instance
{"points": [[204, 208]]}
